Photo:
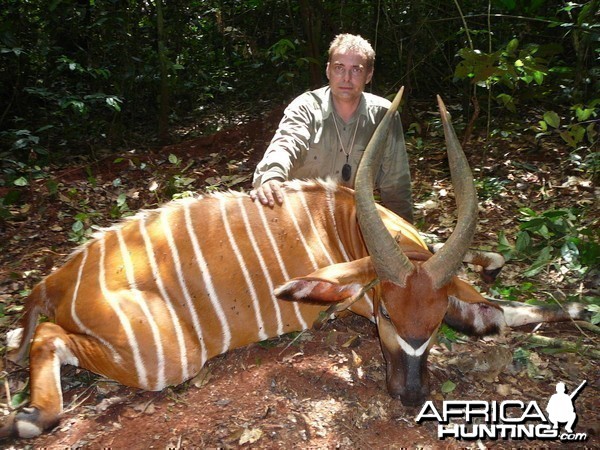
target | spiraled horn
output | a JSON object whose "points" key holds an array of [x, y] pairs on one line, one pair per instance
{"points": [[443, 265], [388, 259]]}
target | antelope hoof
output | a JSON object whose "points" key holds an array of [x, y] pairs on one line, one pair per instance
{"points": [[25, 423]]}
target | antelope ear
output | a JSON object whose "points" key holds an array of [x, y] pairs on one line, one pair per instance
{"points": [[470, 313], [331, 284]]}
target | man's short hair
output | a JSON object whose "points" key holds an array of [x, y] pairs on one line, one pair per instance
{"points": [[344, 43]]}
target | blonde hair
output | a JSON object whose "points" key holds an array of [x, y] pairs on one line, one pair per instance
{"points": [[343, 43]]}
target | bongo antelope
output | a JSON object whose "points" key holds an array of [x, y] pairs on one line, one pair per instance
{"points": [[150, 300]]}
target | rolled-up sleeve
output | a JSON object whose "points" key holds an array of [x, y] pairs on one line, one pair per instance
{"points": [[394, 180], [289, 144]]}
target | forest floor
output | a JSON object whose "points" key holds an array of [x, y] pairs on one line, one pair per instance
{"points": [[318, 389]]}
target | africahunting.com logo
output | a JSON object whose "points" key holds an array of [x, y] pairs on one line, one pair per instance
{"points": [[509, 419]]}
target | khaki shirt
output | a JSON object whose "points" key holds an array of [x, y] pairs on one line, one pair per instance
{"points": [[306, 145]]}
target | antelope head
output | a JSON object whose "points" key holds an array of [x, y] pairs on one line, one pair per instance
{"points": [[412, 297]]}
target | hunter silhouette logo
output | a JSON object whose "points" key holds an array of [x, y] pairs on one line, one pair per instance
{"points": [[508, 419], [560, 407]]}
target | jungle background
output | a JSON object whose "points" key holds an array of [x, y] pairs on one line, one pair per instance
{"points": [[110, 107]]}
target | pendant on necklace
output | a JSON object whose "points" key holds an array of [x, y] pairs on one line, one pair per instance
{"points": [[346, 172]]}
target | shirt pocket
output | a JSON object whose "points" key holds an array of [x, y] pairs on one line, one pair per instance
{"points": [[313, 163]]}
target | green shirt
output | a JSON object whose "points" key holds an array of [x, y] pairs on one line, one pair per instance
{"points": [[307, 145]]}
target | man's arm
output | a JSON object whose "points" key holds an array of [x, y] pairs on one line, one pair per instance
{"points": [[290, 141], [394, 180]]}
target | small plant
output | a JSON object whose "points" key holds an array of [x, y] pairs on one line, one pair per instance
{"points": [[178, 185], [555, 238], [447, 336], [515, 292], [511, 67], [120, 208], [581, 127], [287, 57], [82, 228], [490, 187]]}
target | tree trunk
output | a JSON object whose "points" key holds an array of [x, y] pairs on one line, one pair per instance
{"points": [[163, 98], [312, 21]]}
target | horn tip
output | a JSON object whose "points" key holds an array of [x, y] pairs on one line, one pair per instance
{"points": [[442, 108]]}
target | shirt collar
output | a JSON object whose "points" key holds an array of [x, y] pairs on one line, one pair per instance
{"points": [[328, 104]]}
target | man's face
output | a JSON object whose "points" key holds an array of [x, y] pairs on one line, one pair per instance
{"points": [[348, 74]]}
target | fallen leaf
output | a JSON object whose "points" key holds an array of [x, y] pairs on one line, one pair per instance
{"points": [[250, 436], [356, 359], [202, 378], [349, 342], [448, 387]]}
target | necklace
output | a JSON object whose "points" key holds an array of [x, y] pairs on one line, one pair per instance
{"points": [[347, 168]]}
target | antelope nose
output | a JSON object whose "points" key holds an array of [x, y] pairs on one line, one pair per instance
{"points": [[413, 398]]}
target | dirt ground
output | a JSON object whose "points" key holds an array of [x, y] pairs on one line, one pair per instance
{"points": [[318, 389]]}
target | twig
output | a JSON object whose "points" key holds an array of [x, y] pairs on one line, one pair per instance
{"points": [[292, 341], [145, 408], [474, 117], [575, 322], [8, 397], [563, 345], [464, 21], [72, 406], [587, 325]]}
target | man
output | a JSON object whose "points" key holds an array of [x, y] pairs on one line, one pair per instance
{"points": [[325, 132], [560, 408]]}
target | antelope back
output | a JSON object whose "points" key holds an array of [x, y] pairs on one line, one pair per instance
{"points": [[196, 277]]}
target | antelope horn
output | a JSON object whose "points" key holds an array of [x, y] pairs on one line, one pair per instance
{"points": [[443, 265], [388, 259]]}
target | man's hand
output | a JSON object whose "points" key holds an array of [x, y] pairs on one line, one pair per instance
{"points": [[268, 193]]}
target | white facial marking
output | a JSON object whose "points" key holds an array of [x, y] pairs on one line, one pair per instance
{"points": [[410, 350]]}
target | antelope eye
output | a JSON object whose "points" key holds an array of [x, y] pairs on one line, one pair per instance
{"points": [[384, 311]]}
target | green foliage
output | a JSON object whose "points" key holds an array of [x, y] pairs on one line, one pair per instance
{"points": [[510, 67], [80, 230], [582, 125], [554, 238], [595, 309], [120, 208], [515, 292], [490, 187], [178, 184], [89, 73], [447, 336], [287, 57], [447, 387], [526, 359]]}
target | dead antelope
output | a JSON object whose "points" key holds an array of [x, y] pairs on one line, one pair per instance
{"points": [[149, 301]]}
